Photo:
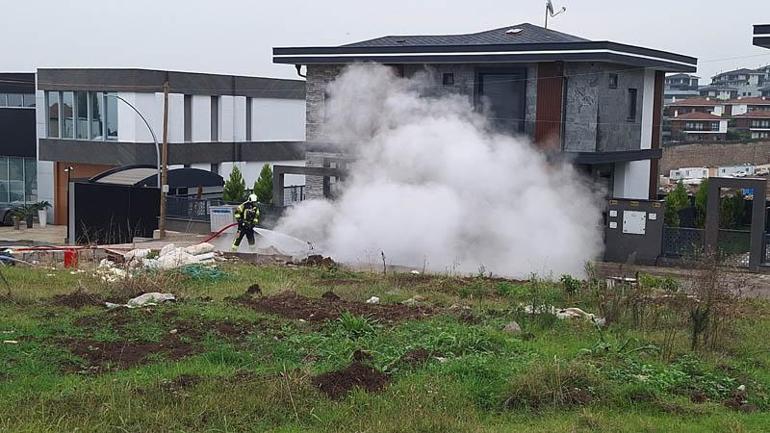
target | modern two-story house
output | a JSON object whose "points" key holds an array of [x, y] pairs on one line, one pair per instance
{"points": [[18, 168], [86, 124], [597, 102]]}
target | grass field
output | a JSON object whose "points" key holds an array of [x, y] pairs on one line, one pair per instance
{"points": [[221, 361]]}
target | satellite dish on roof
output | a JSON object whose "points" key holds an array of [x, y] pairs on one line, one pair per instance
{"points": [[549, 11]]}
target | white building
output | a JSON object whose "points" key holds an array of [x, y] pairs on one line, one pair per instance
{"points": [[736, 171], [689, 173], [85, 121]]}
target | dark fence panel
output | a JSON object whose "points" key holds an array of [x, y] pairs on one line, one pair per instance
{"points": [[682, 241], [190, 208], [107, 214]]}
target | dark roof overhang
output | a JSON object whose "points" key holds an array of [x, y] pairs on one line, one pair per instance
{"points": [[762, 35], [589, 51], [612, 157]]}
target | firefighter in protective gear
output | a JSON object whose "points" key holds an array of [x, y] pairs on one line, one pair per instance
{"points": [[247, 216]]}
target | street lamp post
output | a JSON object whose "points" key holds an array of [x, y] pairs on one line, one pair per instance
{"points": [[146, 123], [68, 170], [162, 172]]}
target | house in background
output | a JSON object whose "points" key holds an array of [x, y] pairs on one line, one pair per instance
{"points": [[695, 105], [18, 167], [741, 105], [747, 82], [698, 126], [215, 122], [718, 92], [599, 102], [757, 123], [680, 86]]}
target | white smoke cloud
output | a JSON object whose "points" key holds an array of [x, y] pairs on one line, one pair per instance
{"points": [[432, 184]]}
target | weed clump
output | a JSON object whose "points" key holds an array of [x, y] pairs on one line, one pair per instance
{"points": [[556, 384]]}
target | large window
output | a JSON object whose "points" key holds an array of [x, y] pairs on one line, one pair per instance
{"points": [[715, 126], [53, 114], [67, 115], [18, 180], [17, 100], [502, 97], [82, 115]]}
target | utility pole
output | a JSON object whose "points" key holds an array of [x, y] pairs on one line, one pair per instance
{"points": [[164, 165]]}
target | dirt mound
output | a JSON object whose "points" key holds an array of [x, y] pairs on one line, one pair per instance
{"points": [[78, 299], [330, 296], [337, 384], [100, 356], [254, 290], [294, 306], [318, 260]]}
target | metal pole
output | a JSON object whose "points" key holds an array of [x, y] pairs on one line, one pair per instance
{"points": [[154, 138], [164, 165]]}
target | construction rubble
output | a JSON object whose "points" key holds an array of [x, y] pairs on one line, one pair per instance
{"points": [[169, 257]]}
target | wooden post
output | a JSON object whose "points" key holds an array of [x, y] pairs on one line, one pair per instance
{"points": [[164, 165]]}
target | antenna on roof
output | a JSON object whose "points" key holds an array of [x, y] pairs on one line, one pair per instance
{"points": [[549, 11]]}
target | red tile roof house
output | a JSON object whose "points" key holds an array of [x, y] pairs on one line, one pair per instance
{"points": [[756, 122], [744, 105], [598, 102], [698, 126], [695, 105]]}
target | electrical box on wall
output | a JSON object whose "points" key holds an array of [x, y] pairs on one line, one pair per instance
{"points": [[634, 231]]}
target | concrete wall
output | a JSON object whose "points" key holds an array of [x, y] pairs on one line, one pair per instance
{"points": [[596, 116], [713, 154]]}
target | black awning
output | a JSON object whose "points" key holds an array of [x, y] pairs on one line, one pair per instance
{"points": [[146, 176], [186, 178], [611, 157]]}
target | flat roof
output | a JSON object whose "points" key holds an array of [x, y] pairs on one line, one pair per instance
{"points": [[149, 80], [512, 44]]}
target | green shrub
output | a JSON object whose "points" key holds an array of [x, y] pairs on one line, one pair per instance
{"points": [[263, 187], [570, 284], [676, 200], [355, 326], [234, 190]]}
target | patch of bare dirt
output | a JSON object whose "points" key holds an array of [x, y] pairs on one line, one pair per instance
{"points": [[78, 299], [101, 356], [337, 384], [293, 306], [416, 357]]}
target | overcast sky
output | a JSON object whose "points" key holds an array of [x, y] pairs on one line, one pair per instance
{"points": [[236, 36]]}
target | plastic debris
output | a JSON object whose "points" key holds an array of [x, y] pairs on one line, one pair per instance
{"points": [[373, 300], [145, 300], [10, 342], [202, 272], [565, 313]]}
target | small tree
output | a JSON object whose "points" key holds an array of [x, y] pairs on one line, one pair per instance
{"points": [[701, 203], [676, 200], [235, 187], [263, 187]]}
